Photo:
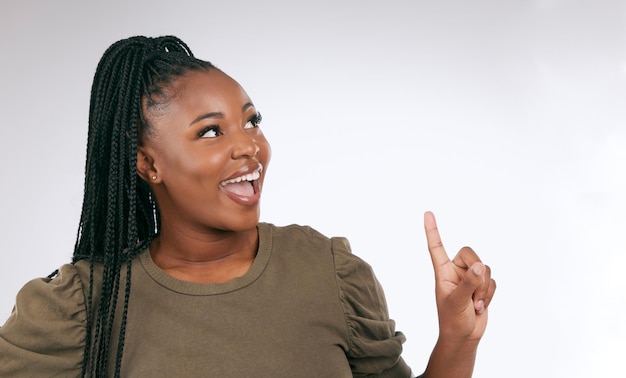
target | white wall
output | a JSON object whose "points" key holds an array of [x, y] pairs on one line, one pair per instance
{"points": [[506, 118]]}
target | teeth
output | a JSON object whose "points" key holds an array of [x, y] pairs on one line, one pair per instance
{"points": [[249, 177]]}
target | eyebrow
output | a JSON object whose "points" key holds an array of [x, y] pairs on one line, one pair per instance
{"points": [[245, 107], [207, 115]]}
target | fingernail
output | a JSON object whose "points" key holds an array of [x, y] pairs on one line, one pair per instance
{"points": [[480, 306], [478, 269]]}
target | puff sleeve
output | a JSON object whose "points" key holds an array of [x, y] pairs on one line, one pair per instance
{"points": [[45, 334], [374, 346]]}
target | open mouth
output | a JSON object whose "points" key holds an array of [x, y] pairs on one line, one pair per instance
{"points": [[244, 185]]}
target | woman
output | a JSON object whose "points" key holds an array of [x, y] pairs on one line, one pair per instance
{"points": [[173, 275]]}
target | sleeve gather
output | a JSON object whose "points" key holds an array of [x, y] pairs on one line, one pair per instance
{"points": [[375, 346], [45, 333]]}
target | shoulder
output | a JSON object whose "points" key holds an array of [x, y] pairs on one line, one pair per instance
{"points": [[292, 231], [46, 331], [354, 277], [60, 295], [294, 237], [307, 239], [374, 347]]}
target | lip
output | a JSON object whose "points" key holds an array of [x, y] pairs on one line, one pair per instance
{"points": [[245, 200], [258, 167]]}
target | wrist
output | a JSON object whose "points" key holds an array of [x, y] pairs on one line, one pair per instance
{"points": [[457, 345], [461, 343], [452, 358]]}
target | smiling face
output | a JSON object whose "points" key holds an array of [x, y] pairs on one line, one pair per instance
{"points": [[204, 155]]}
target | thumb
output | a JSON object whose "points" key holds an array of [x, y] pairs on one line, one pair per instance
{"points": [[472, 279]]}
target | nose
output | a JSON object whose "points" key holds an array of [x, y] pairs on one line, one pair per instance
{"points": [[244, 146]]}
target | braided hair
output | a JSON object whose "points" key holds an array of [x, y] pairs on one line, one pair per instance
{"points": [[120, 216]]}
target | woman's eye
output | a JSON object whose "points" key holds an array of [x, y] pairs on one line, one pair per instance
{"points": [[253, 122], [210, 132]]}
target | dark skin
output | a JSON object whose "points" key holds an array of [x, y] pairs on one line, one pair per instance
{"points": [[204, 136], [463, 290]]}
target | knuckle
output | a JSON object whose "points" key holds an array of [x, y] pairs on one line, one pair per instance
{"points": [[435, 244]]}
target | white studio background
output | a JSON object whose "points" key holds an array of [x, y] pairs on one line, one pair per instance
{"points": [[506, 118]]}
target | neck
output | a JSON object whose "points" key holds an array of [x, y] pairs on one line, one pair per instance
{"points": [[204, 257]]}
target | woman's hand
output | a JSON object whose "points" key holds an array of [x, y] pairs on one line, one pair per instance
{"points": [[463, 290]]}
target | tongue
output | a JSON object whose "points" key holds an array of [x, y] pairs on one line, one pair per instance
{"points": [[243, 188]]}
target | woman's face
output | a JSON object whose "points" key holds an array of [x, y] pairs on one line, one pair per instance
{"points": [[205, 156]]}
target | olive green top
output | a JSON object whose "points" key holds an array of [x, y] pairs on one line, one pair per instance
{"points": [[307, 307]]}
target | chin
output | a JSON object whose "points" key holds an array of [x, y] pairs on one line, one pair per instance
{"points": [[241, 224]]}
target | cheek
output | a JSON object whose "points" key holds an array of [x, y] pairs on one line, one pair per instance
{"points": [[211, 163], [187, 162]]}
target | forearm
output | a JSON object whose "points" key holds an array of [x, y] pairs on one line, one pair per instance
{"points": [[451, 360]]}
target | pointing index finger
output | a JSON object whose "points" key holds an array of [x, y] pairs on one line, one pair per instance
{"points": [[438, 253]]}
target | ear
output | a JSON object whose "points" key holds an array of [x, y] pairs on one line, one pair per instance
{"points": [[145, 165]]}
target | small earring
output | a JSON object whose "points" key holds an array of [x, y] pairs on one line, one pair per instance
{"points": [[154, 177]]}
